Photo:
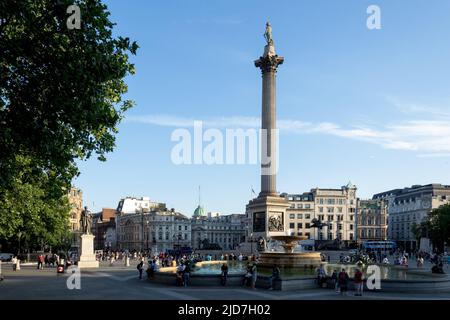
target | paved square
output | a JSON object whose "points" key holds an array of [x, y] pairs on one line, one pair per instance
{"points": [[123, 283]]}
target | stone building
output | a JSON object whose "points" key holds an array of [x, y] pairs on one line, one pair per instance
{"points": [[372, 220], [218, 232], [104, 229], [75, 197], [411, 205], [300, 213], [152, 227], [335, 208]]}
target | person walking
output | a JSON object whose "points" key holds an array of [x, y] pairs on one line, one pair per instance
{"points": [[254, 275], [140, 268], [359, 282], [343, 282], [334, 280], [275, 276], [321, 276], [224, 274], [186, 274]]}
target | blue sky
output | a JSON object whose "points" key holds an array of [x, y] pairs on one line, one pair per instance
{"points": [[370, 106]]}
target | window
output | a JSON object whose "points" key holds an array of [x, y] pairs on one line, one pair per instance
{"points": [[330, 227], [340, 209], [321, 200], [307, 225], [307, 234], [320, 209], [291, 225], [179, 228], [307, 206], [330, 209], [292, 205], [351, 227], [185, 227], [299, 206], [351, 236], [292, 216], [351, 217], [321, 217], [300, 233], [331, 201], [330, 218], [299, 225], [307, 216], [341, 201], [299, 216], [339, 226]]}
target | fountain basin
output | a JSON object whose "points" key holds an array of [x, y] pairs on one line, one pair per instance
{"points": [[290, 260]]}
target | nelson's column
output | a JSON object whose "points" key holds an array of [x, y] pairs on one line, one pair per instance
{"points": [[267, 211]]}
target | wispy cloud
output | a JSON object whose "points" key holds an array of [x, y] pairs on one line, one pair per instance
{"points": [[409, 108], [430, 137]]}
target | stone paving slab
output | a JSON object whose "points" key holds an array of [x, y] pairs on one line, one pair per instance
{"points": [[123, 284]]}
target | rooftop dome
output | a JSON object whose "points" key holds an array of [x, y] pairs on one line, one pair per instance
{"points": [[199, 212]]}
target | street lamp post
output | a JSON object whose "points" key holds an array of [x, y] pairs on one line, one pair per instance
{"points": [[19, 234], [147, 234], [142, 225]]}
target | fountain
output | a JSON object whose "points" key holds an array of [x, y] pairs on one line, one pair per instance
{"points": [[289, 258]]}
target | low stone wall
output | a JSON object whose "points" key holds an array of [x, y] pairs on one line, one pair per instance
{"points": [[432, 282], [436, 283]]}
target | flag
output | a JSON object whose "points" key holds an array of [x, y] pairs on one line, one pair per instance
{"points": [[253, 191]]}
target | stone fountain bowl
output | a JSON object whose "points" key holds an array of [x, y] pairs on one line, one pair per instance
{"points": [[289, 258], [289, 239]]}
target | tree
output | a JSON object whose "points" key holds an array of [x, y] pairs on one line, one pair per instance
{"points": [[34, 208], [419, 230], [60, 89], [60, 101], [439, 226]]}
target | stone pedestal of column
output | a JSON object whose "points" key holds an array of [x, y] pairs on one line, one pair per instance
{"points": [[87, 256]]}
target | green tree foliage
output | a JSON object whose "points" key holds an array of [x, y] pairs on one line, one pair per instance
{"points": [[60, 100], [439, 226]]}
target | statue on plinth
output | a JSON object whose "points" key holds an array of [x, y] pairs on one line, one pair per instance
{"points": [[268, 34], [86, 221]]}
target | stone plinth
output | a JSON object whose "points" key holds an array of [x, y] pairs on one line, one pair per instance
{"points": [[87, 256], [268, 216]]}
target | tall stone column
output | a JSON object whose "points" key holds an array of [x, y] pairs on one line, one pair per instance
{"points": [[268, 64], [267, 212]]}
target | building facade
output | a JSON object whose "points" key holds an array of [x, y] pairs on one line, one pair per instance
{"points": [[137, 205], [151, 228], [218, 232], [104, 229], [75, 197], [371, 220], [409, 206], [334, 208]]}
